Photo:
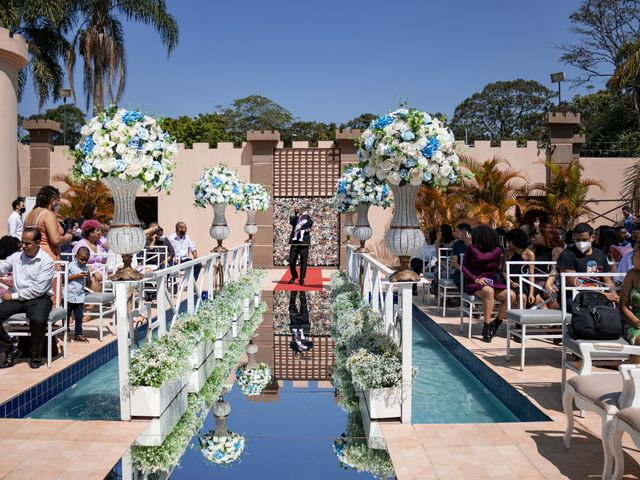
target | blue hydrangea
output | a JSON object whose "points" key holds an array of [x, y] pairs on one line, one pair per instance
{"points": [[216, 182], [408, 135], [404, 172], [120, 166], [219, 455], [236, 188], [87, 148], [131, 117], [385, 190], [432, 147], [87, 169], [368, 143], [382, 121]]}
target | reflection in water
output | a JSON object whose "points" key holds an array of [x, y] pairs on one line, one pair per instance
{"points": [[289, 429], [253, 377], [221, 446]]}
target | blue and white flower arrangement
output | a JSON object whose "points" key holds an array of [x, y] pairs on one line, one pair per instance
{"points": [[354, 188], [222, 450], [254, 197], [252, 381], [126, 144], [409, 147], [218, 185]]}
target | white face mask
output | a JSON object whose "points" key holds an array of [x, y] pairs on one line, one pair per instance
{"points": [[56, 207], [583, 246]]}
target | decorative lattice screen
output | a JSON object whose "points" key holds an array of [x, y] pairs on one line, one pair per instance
{"points": [[305, 172]]}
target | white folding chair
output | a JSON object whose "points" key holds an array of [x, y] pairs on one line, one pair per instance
{"points": [[446, 286], [58, 313]]}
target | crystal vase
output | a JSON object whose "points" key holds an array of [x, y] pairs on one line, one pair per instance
{"points": [[125, 236], [250, 228], [362, 231], [219, 229], [251, 350], [221, 411], [404, 238], [348, 225]]}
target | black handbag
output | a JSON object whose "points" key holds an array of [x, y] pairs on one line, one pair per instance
{"points": [[594, 317]]}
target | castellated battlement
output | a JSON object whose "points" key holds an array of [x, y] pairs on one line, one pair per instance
{"points": [[13, 48], [263, 136], [348, 133], [504, 144]]}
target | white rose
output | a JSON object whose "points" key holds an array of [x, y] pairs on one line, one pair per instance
{"points": [[382, 175], [85, 131], [133, 169], [394, 178], [121, 149], [438, 157], [109, 164], [111, 125], [454, 159], [445, 170], [148, 175], [123, 129], [368, 170]]}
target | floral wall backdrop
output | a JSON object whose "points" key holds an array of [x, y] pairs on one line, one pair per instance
{"points": [[325, 233]]}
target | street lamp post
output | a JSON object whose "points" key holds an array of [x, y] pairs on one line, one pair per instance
{"points": [[64, 93], [558, 78]]}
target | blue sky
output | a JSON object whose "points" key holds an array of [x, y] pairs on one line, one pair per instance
{"points": [[332, 60]]}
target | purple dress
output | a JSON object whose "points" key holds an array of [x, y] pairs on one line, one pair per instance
{"points": [[477, 264]]}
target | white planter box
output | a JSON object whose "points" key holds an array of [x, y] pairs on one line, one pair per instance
{"points": [[222, 344], [384, 402], [200, 354], [236, 326], [199, 376], [256, 298], [151, 401], [158, 428]]}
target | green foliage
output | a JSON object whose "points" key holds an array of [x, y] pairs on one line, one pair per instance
{"points": [[373, 370], [311, 131], [203, 128], [71, 120], [254, 112], [510, 110], [361, 122]]}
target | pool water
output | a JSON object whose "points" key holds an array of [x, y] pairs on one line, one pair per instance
{"points": [[444, 391]]}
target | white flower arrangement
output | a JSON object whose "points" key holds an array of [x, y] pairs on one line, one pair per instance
{"points": [[254, 197], [354, 188], [373, 370], [409, 146], [252, 381], [218, 185], [222, 450], [126, 144]]}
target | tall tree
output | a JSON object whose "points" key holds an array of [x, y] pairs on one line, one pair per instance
{"points": [[510, 110], [311, 131], [361, 122], [564, 196], [71, 120], [606, 30], [204, 128], [626, 76], [100, 41], [254, 112], [43, 25]]}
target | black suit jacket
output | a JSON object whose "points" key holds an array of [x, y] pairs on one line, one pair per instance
{"points": [[306, 239]]}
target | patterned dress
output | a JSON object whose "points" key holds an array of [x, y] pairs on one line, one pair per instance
{"points": [[631, 331]]}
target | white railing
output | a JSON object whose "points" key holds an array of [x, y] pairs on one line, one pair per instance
{"points": [[214, 270], [378, 292]]}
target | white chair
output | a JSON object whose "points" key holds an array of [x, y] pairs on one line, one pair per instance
{"points": [[446, 286], [603, 393], [627, 420], [469, 303], [570, 345], [58, 313], [103, 300], [548, 321]]}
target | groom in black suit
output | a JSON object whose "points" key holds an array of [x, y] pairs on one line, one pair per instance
{"points": [[299, 241]]}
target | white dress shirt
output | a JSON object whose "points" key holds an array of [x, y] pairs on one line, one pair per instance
{"points": [[32, 277], [182, 246], [15, 225]]}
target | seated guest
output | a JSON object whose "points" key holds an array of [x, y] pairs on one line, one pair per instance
{"points": [[622, 237], [518, 251], [606, 240], [630, 303], [157, 239], [183, 246], [481, 268], [463, 240], [547, 247], [91, 233], [444, 237], [33, 272]]}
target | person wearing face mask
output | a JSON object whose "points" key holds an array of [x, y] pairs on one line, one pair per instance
{"points": [[582, 257], [15, 219], [44, 218]]}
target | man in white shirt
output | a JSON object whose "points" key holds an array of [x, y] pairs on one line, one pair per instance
{"points": [[183, 245], [32, 275], [15, 219]]}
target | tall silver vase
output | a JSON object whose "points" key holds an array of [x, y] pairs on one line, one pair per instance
{"points": [[348, 225], [125, 236], [250, 228], [362, 230], [219, 229], [405, 237]]}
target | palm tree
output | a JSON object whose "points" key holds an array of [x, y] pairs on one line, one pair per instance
{"points": [[43, 25], [631, 186], [491, 191], [77, 194], [437, 207], [627, 72], [100, 42], [564, 196]]}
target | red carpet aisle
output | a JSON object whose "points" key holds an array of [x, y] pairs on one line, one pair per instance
{"points": [[312, 282]]}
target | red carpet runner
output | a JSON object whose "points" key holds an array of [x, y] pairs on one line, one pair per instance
{"points": [[312, 282]]}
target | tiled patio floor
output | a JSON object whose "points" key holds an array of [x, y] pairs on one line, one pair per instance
{"points": [[508, 450]]}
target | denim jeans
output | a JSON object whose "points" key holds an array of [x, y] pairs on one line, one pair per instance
{"points": [[77, 309]]}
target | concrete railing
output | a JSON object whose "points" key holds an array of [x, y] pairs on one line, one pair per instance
{"points": [[378, 292]]}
